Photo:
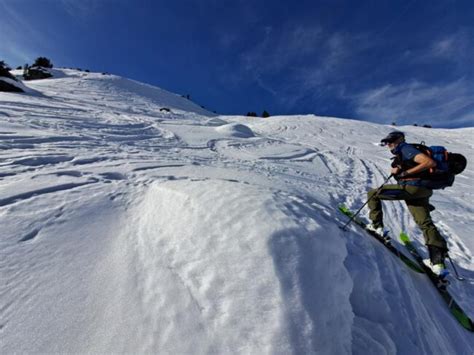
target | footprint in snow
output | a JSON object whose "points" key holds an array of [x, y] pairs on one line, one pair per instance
{"points": [[30, 236], [43, 160], [89, 160], [113, 176], [46, 190], [73, 173]]}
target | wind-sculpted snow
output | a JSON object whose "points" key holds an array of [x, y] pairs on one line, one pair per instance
{"points": [[130, 228], [206, 268], [235, 130]]}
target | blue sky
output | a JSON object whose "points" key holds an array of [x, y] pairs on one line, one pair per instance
{"points": [[408, 61]]}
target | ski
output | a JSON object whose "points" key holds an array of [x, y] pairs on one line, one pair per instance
{"points": [[386, 242], [453, 306]]}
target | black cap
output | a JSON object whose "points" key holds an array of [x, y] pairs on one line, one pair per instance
{"points": [[392, 137]]}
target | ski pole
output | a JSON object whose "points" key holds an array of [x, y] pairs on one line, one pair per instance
{"points": [[360, 209], [460, 278]]}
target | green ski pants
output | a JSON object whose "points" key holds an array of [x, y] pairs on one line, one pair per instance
{"points": [[417, 200]]}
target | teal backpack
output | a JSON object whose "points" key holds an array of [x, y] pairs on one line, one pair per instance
{"points": [[448, 165]]}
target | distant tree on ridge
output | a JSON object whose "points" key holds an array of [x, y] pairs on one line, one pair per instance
{"points": [[42, 62]]}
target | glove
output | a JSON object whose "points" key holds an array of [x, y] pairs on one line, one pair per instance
{"points": [[396, 163], [401, 175]]}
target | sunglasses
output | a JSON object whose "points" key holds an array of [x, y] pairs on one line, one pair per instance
{"points": [[385, 142]]}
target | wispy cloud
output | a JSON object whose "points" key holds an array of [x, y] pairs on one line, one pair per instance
{"points": [[84, 9], [447, 105], [227, 39], [455, 49], [307, 65], [280, 49], [20, 41], [25, 37], [300, 62], [443, 47], [444, 100], [455, 46]]}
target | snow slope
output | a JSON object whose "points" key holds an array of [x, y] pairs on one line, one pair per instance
{"points": [[129, 229]]}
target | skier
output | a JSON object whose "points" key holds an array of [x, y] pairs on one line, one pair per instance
{"points": [[408, 168]]}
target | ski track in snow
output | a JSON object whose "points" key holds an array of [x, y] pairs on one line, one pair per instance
{"points": [[130, 229]]}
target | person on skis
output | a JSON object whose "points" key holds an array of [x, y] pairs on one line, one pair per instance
{"points": [[407, 169]]}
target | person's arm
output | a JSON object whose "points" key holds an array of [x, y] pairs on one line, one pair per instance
{"points": [[424, 163], [396, 170]]}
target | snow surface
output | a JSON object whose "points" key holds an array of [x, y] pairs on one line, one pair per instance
{"points": [[129, 229]]}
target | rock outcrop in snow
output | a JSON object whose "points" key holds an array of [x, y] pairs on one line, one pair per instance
{"points": [[10, 85]]}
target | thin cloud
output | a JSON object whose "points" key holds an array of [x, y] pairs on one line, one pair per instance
{"points": [[227, 39], [83, 8], [21, 41], [455, 49], [458, 44], [15, 22], [15, 55], [443, 47], [314, 61], [319, 65], [279, 49], [447, 105], [262, 84]]}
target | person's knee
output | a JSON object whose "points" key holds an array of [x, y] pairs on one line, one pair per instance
{"points": [[436, 239], [420, 215], [425, 223], [429, 230], [371, 193]]}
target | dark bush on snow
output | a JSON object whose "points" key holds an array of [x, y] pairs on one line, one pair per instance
{"points": [[36, 73], [39, 69], [42, 62]]}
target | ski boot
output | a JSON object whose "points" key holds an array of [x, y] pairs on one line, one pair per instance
{"points": [[436, 264], [381, 231], [440, 271]]}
